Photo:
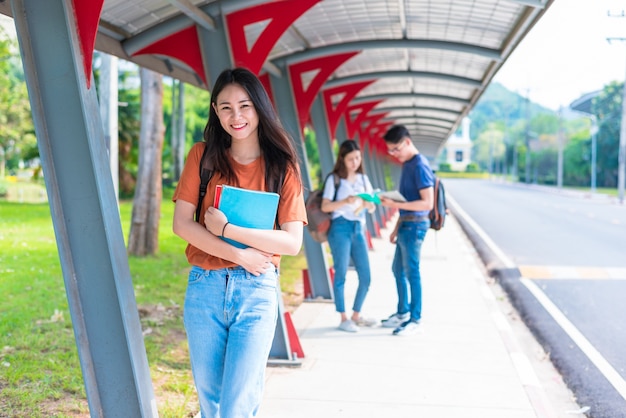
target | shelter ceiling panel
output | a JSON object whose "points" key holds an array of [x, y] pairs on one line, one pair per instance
{"points": [[435, 114], [135, 16], [445, 88], [330, 22], [401, 113], [449, 62], [438, 103], [388, 85], [396, 102], [480, 22], [374, 60]]}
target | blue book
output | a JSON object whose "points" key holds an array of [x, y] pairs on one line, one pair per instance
{"points": [[247, 208]]}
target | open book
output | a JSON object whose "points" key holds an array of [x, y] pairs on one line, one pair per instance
{"points": [[377, 194], [247, 208]]}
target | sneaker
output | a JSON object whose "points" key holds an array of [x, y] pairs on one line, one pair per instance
{"points": [[395, 320], [366, 322], [348, 326], [407, 328]]}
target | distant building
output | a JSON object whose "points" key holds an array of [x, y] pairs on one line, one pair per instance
{"points": [[459, 148]]}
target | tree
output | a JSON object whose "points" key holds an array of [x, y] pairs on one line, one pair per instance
{"points": [[607, 107], [17, 133], [144, 239], [489, 148]]}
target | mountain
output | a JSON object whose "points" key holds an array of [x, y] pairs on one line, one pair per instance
{"points": [[501, 104]]}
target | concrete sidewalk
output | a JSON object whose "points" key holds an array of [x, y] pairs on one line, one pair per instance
{"points": [[471, 358]]}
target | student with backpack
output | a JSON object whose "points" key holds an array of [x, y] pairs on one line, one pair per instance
{"points": [[231, 303], [416, 185], [346, 236]]}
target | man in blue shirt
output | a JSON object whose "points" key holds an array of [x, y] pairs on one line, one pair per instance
{"points": [[417, 186]]}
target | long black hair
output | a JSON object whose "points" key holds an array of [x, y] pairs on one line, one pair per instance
{"points": [[276, 144], [346, 148]]}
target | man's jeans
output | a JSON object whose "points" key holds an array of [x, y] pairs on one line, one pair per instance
{"points": [[230, 317], [347, 239], [406, 266]]}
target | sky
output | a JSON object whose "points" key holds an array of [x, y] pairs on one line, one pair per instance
{"points": [[566, 54]]}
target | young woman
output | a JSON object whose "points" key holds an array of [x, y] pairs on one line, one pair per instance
{"points": [[346, 236], [231, 304]]}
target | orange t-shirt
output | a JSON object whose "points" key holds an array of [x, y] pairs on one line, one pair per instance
{"points": [[251, 176]]}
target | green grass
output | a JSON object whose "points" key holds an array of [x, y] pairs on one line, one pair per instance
{"points": [[40, 373]]}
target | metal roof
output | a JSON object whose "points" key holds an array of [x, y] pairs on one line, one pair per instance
{"points": [[423, 63]]}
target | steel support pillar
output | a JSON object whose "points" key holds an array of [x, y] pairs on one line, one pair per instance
{"points": [[316, 258], [84, 211]]}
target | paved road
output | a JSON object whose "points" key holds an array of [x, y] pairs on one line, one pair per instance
{"points": [[568, 253]]}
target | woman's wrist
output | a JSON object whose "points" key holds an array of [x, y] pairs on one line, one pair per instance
{"points": [[224, 229]]}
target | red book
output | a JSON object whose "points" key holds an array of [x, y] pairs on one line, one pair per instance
{"points": [[218, 194]]}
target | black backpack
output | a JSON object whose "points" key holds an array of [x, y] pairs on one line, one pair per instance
{"points": [[440, 209], [206, 172]]}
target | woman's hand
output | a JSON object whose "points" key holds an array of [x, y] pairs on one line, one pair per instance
{"points": [[214, 221], [351, 199], [256, 262]]}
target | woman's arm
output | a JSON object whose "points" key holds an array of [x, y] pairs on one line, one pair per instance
{"points": [[332, 205], [287, 240], [251, 259]]}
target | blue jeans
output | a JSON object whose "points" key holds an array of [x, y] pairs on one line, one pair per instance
{"points": [[406, 266], [230, 318], [347, 239]]}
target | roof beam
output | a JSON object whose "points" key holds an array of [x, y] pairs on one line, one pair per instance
{"points": [[306, 55], [388, 74], [424, 127], [194, 13], [410, 96], [417, 119], [402, 17], [537, 4], [156, 33], [421, 108], [416, 115]]}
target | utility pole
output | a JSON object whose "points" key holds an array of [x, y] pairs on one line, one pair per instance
{"points": [[559, 138], [621, 153], [527, 134], [594, 131]]}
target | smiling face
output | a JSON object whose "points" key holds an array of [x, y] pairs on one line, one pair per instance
{"points": [[236, 113]]}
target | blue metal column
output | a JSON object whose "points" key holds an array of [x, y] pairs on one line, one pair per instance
{"points": [[367, 166], [215, 49], [84, 212], [379, 170], [341, 134], [314, 251], [324, 141]]}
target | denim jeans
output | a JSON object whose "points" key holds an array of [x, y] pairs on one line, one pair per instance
{"points": [[347, 240], [230, 318], [406, 266]]}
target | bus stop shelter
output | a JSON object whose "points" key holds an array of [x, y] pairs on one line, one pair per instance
{"points": [[345, 68]]}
